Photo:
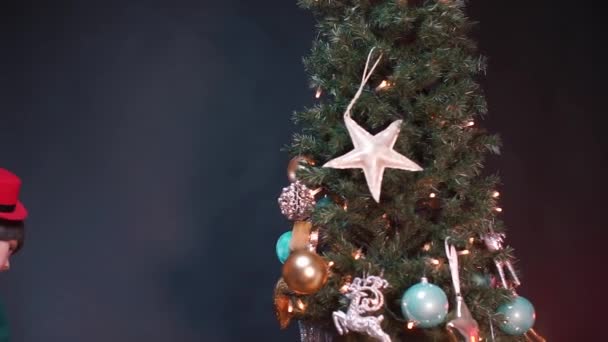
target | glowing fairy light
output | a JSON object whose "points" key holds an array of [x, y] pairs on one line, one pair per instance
{"points": [[318, 93], [358, 254], [344, 288], [301, 305], [383, 85]]}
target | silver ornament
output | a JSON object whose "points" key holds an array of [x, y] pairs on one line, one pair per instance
{"points": [[373, 154], [464, 323], [365, 297], [296, 201], [494, 243]]}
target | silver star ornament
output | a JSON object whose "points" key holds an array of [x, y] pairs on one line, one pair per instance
{"points": [[373, 154]]}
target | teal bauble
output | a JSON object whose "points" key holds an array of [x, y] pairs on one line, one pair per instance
{"points": [[283, 246], [518, 316], [425, 304], [323, 202], [482, 280]]}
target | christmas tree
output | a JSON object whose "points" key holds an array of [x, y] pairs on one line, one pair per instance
{"points": [[397, 232]]}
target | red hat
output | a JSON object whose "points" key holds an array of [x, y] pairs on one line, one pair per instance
{"points": [[10, 207]]}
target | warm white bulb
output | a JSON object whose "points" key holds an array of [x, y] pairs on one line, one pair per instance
{"points": [[432, 195], [470, 123], [410, 325], [382, 85], [498, 209], [318, 93], [464, 252]]}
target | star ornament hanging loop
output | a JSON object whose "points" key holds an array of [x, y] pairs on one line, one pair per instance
{"points": [[372, 153]]}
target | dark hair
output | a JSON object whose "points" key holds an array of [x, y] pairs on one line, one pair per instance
{"points": [[12, 230]]}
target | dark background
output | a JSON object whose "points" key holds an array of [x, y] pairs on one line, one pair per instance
{"points": [[147, 134]]}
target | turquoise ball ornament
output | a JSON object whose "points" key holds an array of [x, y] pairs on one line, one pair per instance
{"points": [[425, 304], [323, 202], [482, 280], [283, 246], [519, 316]]}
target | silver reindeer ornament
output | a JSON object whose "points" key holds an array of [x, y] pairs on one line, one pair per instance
{"points": [[365, 297], [494, 243]]}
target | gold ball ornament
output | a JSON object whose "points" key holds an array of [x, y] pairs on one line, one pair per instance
{"points": [[296, 163], [305, 272]]}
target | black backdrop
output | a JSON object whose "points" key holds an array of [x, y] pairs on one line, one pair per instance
{"points": [[147, 134]]}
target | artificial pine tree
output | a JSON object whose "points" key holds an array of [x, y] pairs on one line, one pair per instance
{"points": [[396, 87]]}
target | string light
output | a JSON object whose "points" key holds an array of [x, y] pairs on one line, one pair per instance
{"points": [[358, 254], [410, 325], [435, 262], [330, 264], [318, 93], [470, 123], [426, 247], [432, 195], [496, 194], [290, 307], [471, 240], [498, 209], [301, 305], [383, 84], [314, 241], [464, 252]]}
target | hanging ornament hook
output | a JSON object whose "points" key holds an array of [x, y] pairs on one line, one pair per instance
{"points": [[367, 73]]}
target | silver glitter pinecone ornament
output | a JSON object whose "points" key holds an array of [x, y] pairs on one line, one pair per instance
{"points": [[296, 201]]}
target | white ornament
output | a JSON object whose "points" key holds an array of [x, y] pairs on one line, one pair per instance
{"points": [[373, 154], [365, 297], [494, 243], [464, 324]]}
